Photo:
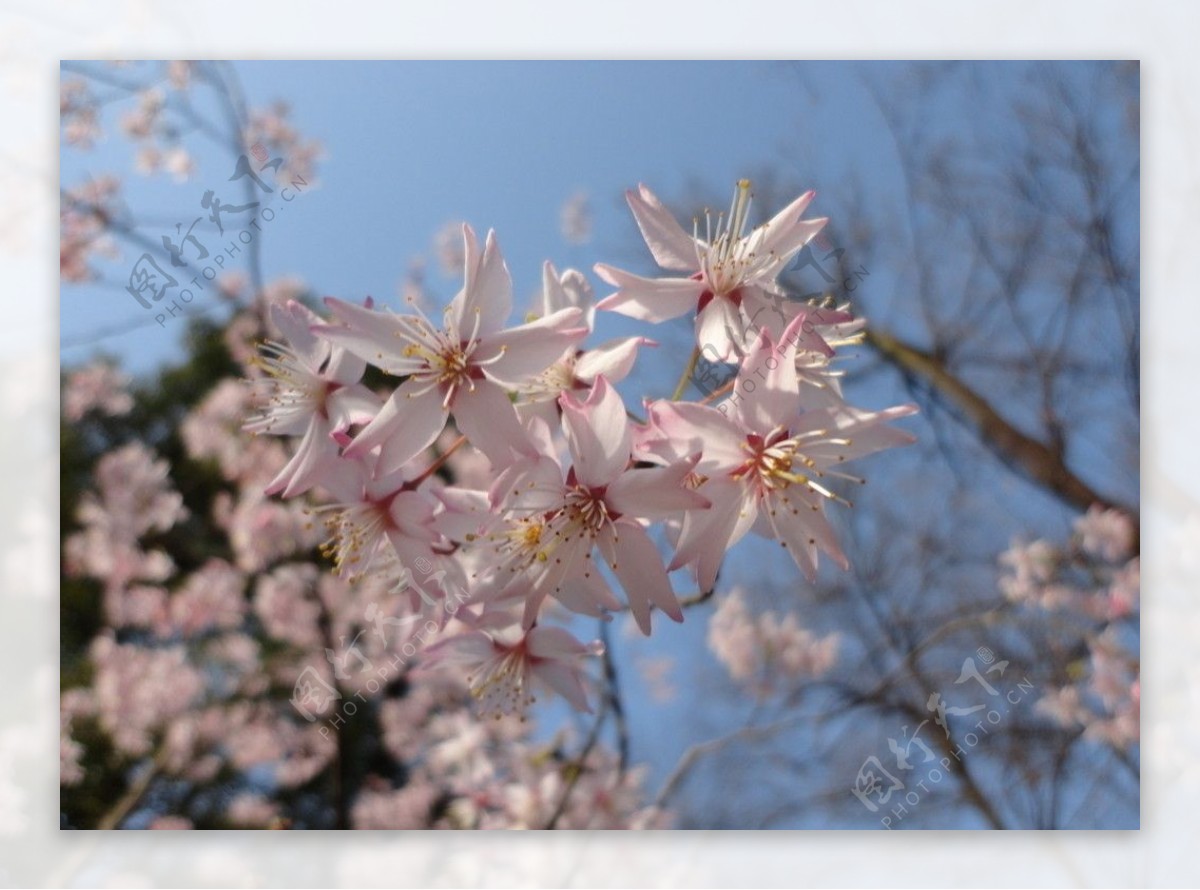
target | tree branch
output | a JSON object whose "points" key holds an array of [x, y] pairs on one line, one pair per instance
{"points": [[134, 793], [1036, 461]]}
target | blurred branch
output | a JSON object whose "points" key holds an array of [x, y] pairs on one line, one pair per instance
{"points": [[226, 85], [340, 773], [223, 80], [134, 794], [579, 764], [702, 749], [614, 700], [1033, 459]]}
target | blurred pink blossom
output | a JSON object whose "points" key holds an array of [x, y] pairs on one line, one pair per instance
{"points": [[765, 650], [138, 690], [1105, 533], [575, 219], [98, 387]]}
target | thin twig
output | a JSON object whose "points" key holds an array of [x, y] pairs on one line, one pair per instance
{"points": [[579, 765], [698, 598], [614, 700], [438, 463], [688, 370], [702, 749], [717, 393], [134, 793]]}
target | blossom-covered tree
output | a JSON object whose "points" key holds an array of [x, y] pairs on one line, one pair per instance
{"points": [[358, 564]]}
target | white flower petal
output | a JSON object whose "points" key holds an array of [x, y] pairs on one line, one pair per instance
{"points": [[649, 299], [598, 434], [672, 247]]}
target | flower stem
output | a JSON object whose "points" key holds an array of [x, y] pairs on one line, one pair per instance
{"points": [[717, 393], [688, 370], [437, 464]]}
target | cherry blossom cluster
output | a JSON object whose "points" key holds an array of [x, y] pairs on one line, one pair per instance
{"points": [[97, 387], [1094, 584], [765, 651], [271, 128], [162, 113], [586, 506], [132, 499], [187, 680], [158, 148], [159, 112], [207, 616], [79, 113], [84, 234]]}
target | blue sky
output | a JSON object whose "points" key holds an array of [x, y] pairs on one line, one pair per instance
{"points": [[412, 146]]}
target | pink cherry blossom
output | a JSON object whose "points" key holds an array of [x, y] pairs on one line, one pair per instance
{"points": [[85, 211], [731, 273], [171, 823], [139, 689], [502, 671], [250, 810], [1080, 580], [285, 603], [1064, 706], [211, 598], [140, 122], [311, 390], [766, 463], [448, 248], [1125, 590], [1105, 533], [376, 514], [575, 219], [473, 509], [556, 520], [766, 649], [575, 370], [469, 466], [263, 531], [407, 807], [179, 74], [270, 128], [98, 387], [460, 369], [1032, 566], [134, 497], [78, 113]]}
